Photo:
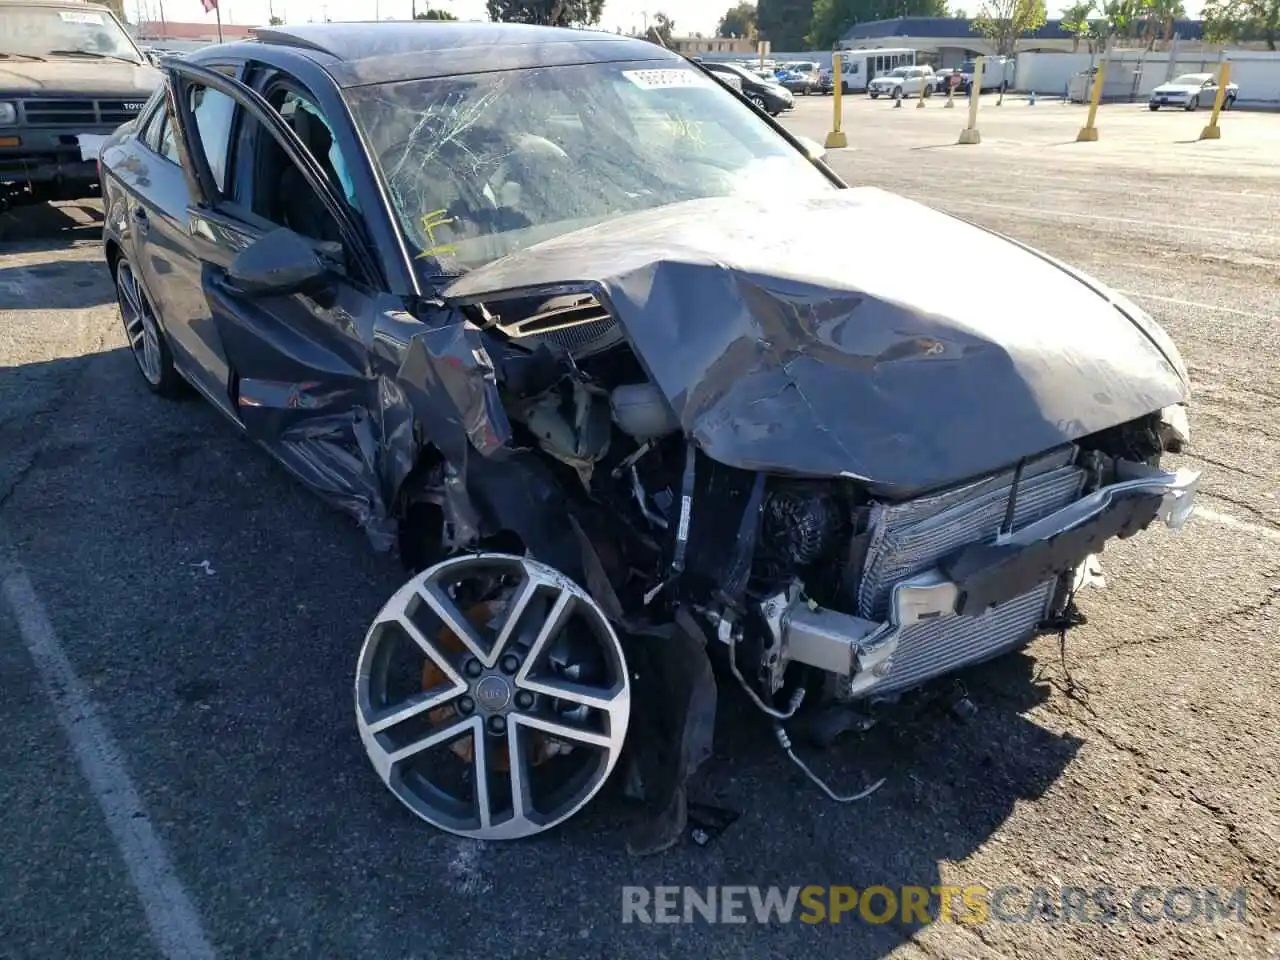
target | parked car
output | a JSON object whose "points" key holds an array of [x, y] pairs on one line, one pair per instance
{"points": [[947, 79], [1192, 91], [803, 77], [546, 331], [997, 73], [900, 82], [72, 74], [765, 93]]}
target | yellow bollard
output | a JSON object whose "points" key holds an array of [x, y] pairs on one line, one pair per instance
{"points": [[951, 87], [923, 86], [970, 133], [1212, 131], [836, 138], [1089, 133]]}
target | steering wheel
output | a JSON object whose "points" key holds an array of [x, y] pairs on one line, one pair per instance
{"points": [[426, 175]]}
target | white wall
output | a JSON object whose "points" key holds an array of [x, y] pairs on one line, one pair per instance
{"points": [[1257, 72]]}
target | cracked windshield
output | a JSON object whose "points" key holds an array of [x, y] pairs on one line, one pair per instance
{"points": [[38, 32], [481, 166]]}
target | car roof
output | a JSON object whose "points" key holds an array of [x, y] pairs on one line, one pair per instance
{"points": [[1201, 76], [355, 54]]}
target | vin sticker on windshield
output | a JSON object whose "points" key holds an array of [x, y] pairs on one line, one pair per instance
{"points": [[662, 79], [75, 16]]}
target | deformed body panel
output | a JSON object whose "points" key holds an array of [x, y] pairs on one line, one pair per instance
{"points": [[808, 360]]}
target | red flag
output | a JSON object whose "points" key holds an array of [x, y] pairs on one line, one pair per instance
{"points": [[210, 5]]}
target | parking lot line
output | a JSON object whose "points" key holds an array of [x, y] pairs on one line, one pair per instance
{"points": [[1226, 520], [944, 202], [1195, 304], [174, 922]]}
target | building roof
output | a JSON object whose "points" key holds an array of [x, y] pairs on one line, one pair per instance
{"points": [[961, 28], [392, 50], [173, 30]]}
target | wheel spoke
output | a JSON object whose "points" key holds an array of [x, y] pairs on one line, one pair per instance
{"points": [[444, 608], [564, 731], [480, 770], [518, 763], [444, 735], [597, 698], [411, 707], [515, 611], [429, 649], [555, 621]]}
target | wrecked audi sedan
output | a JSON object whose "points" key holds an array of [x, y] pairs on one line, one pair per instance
{"points": [[525, 302]]}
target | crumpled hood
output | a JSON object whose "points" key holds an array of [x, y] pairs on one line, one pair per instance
{"points": [[78, 78], [856, 358]]}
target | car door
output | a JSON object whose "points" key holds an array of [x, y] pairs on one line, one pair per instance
{"points": [[160, 228], [1208, 91], [298, 363]]}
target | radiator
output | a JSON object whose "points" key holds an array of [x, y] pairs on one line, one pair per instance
{"points": [[911, 537]]}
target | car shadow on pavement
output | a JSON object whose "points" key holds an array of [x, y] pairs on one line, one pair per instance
{"points": [[56, 284], [70, 220]]}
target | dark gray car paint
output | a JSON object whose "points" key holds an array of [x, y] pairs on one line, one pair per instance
{"points": [[819, 362], [822, 363]]}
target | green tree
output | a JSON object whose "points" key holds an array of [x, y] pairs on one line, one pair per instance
{"points": [[434, 13], [1004, 21], [276, 21], [738, 21], [553, 13], [664, 27], [1075, 20], [1232, 21], [1122, 17], [1159, 16], [784, 22]]}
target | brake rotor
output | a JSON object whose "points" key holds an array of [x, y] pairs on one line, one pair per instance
{"points": [[479, 615]]}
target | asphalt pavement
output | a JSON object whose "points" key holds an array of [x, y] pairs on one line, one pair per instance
{"points": [[180, 620]]}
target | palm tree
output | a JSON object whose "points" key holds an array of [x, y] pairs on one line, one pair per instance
{"points": [[1161, 15], [1075, 20]]}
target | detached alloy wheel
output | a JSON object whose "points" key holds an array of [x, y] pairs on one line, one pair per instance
{"points": [[492, 696], [146, 341]]}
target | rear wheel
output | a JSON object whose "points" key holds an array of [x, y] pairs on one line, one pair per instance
{"points": [[874, 95], [146, 340], [1227, 102], [492, 696], [1153, 106]]}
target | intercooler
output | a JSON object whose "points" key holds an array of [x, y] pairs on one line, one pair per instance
{"points": [[909, 538]]}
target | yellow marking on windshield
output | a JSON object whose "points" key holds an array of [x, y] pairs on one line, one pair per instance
{"points": [[430, 223]]}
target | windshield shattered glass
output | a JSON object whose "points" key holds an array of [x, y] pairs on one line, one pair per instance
{"points": [[482, 165], [53, 32]]}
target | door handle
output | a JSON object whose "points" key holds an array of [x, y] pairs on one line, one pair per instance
{"points": [[139, 215]]}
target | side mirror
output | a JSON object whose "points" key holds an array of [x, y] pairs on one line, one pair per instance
{"points": [[814, 149], [278, 264]]}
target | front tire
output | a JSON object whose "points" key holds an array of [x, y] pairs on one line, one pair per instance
{"points": [[1153, 106], [146, 340], [897, 93], [874, 95], [492, 696], [1193, 104], [758, 101]]}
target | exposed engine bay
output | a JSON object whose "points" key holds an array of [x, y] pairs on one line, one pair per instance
{"points": [[810, 591]]}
